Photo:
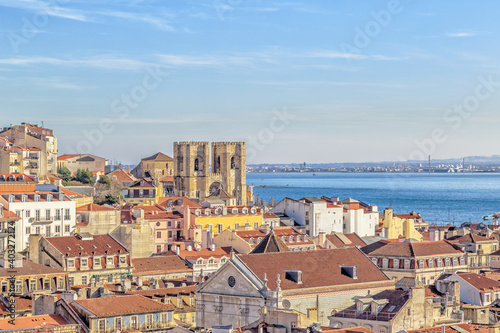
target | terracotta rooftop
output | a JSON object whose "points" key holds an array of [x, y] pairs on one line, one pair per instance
{"points": [[479, 282], [159, 157], [91, 207], [270, 216], [469, 238], [30, 268], [319, 268], [456, 328], [163, 291], [122, 305], [73, 194], [67, 156], [32, 322], [270, 244], [159, 264], [218, 252], [75, 246], [8, 215], [410, 249], [122, 176], [340, 240]]}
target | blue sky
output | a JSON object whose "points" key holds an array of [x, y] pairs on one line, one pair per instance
{"points": [[314, 81]]}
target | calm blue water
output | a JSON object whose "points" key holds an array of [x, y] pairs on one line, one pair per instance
{"points": [[440, 197]]}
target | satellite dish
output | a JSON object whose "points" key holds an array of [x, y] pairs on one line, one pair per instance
{"points": [[286, 304]]}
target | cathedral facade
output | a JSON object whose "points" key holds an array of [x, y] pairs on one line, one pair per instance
{"points": [[194, 178]]}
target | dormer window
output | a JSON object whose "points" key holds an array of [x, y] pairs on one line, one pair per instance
{"points": [[97, 261], [49, 197], [37, 197], [199, 261], [253, 210], [197, 212], [24, 198], [12, 198], [207, 212], [61, 197], [244, 210], [234, 211]]}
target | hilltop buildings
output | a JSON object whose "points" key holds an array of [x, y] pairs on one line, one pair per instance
{"points": [[28, 149]]}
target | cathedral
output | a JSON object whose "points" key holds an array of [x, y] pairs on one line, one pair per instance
{"points": [[225, 180]]}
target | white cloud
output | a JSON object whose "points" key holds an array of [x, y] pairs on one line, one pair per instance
{"points": [[460, 34]]}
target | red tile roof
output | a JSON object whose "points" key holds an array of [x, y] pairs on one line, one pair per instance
{"points": [[122, 305], [122, 176], [91, 207], [8, 215], [469, 238], [72, 194], [163, 291], [169, 263], [74, 245], [479, 282], [33, 322], [450, 329], [67, 156], [167, 179], [218, 252], [185, 202], [345, 240], [30, 268], [393, 247], [319, 268]]}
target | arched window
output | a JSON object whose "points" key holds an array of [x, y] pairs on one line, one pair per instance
{"points": [[196, 165], [233, 164]]}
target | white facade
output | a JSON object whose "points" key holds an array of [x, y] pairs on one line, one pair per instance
{"points": [[318, 215], [471, 295], [47, 214]]}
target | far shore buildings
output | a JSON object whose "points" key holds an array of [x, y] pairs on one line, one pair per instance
{"points": [[29, 149], [75, 162]]}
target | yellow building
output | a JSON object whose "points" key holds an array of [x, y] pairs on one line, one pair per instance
{"points": [[145, 191], [222, 218], [79, 199], [10, 162], [396, 227]]}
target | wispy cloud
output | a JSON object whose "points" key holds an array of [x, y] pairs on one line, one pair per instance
{"points": [[46, 8], [460, 34], [96, 62], [352, 56], [161, 23]]}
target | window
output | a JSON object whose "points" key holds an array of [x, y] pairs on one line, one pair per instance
{"points": [[256, 225], [199, 261], [149, 320], [407, 264], [118, 324], [102, 325], [439, 262], [421, 264], [19, 287], [58, 229], [37, 230], [123, 260], [164, 318], [236, 226], [37, 215], [455, 261], [133, 322], [447, 262], [97, 261], [71, 281], [110, 261], [47, 214], [49, 197], [28, 213], [396, 263], [47, 231], [46, 284], [32, 285], [430, 263], [385, 263], [60, 283], [375, 261], [24, 198], [158, 248], [37, 198], [85, 262], [67, 216], [158, 234], [211, 261], [58, 215], [219, 228], [487, 298], [71, 263], [66, 228], [18, 212], [28, 230]]}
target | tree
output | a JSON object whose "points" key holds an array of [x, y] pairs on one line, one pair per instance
{"points": [[84, 176], [64, 173], [104, 180], [109, 199]]}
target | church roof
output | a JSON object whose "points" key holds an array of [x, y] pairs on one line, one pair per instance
{"points": [[159, 157], [270, 244]]}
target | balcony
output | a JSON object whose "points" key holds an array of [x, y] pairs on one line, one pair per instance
{"points": [[138, 196], [16, 163], [33, 157], [42, 220]]}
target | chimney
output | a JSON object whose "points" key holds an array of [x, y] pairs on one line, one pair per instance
{"points": [[212, 247], [177, 250], [322, 239], [43, 304], [68, 296], [189, 248]]}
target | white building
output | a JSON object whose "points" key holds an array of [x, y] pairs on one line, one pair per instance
{"points": [[314, 215], [475, 289], [43, 210]]}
